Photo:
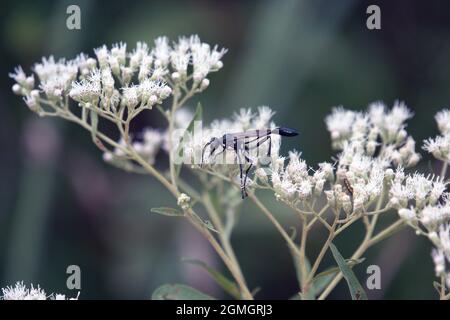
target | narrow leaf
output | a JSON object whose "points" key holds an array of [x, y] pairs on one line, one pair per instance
{"points": [[320, 283], [206, 223], [168, 211], [229, 286], [209, 225], [179, 292], [322, 279], [334, 270], [310, 293], [356, 290], [179, 152], [94, 130]]}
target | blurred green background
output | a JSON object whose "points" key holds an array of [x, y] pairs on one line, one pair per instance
{"points": [[60, 204]]}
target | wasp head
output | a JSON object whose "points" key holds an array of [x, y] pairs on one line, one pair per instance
{"points": [[213, 144]]}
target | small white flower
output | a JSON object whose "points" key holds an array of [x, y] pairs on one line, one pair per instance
{"points": [[408, 215], [162, 51], [130, 96], [443, 121], [439, 147], [439, 261], [244, 117], [204, 59], [87, 90], [339, 123], [102, 54], [433, 216], [304, 189], [184, 201], [149, 147], [444, 236], [119, 51], [263, 117], [137, 55]]}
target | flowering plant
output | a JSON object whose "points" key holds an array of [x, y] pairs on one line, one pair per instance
{"points": [[370, 178]]}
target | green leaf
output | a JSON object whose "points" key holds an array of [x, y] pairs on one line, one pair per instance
{"points": [[229, 286], [310, 293], [322, 279], [209, 225], [179, 152], [206, 223], [94, 130], [179, 292], [356, 290], [335, 270], [168, 211], [320, 283]]}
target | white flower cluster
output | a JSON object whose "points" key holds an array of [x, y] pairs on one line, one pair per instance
{"points": [[423, 202], [106, 82], [183, 201], [293, 182], [417, 192], [441, 254], [20, 292], [439, 146], [372, 144], [377, 129]]}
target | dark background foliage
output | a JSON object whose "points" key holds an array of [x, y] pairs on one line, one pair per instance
{"points": [[61, 205]]}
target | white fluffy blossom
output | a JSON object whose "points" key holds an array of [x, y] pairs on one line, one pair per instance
{"points": [[150, 145], [20, 292], [116, 76], [443, 121], [183, 201], [87, 90], [418, 188], [439, 147], [339, 124], [363, 131]]}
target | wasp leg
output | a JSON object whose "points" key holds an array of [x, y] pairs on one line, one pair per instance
{"points": [[219, 153], [247, 158], [243, 193]]}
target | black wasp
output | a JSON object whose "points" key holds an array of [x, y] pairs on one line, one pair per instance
{"points": [[242, 143]]}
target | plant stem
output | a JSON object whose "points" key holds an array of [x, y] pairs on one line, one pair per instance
{"points": [[302, 257], [444, 170], [225, 241], [322, 252], [170, 136], [366, 243], [318, 216]]}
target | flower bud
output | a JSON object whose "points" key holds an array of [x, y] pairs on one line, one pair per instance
{"points": [[17, 89], [204, 84]]}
